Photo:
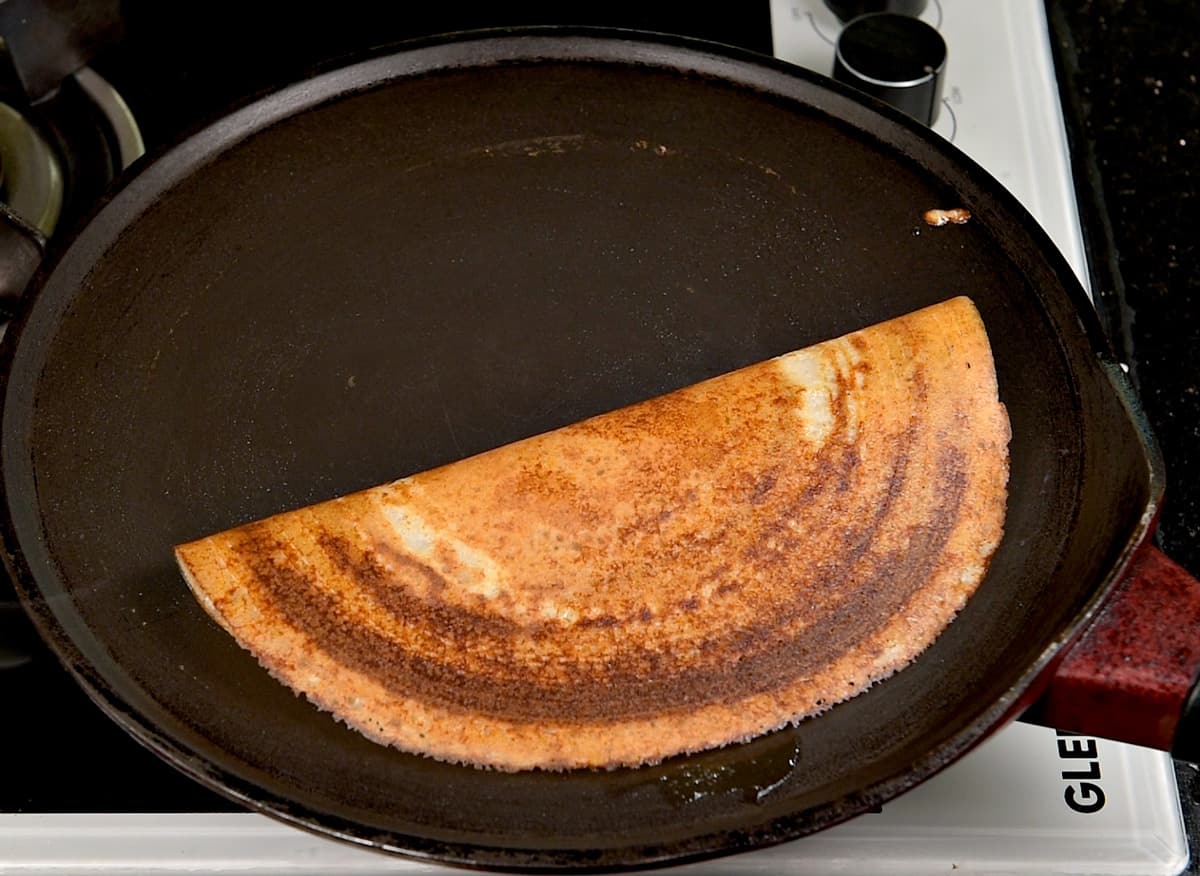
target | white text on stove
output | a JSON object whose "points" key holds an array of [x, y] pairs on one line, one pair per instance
{"points": [[1082, 794]]}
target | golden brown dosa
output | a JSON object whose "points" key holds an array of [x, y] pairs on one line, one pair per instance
{"points": [[676, 575]]}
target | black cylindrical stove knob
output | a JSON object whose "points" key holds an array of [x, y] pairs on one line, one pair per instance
{"points": [[848, 9], [897, 58]]}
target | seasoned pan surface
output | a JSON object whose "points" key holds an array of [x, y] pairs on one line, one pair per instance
{"points": [[434, 252]]}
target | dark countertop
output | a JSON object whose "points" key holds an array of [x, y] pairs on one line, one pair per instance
{"points": [[1129, 74]]}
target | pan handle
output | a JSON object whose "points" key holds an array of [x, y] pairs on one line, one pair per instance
{"points": [[1133, 675]]}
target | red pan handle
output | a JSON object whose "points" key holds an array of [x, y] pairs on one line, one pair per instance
{"points": [[1133, 675]]}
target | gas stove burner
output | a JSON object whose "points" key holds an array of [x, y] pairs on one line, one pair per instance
{"points": [[78, 141], [127, 136], [30, 176], [58, 156]]}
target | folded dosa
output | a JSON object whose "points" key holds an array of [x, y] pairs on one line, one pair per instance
{"points": [[680, 574]]}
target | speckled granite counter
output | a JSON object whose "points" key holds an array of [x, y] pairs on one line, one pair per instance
{"points": [[1129, 78]]}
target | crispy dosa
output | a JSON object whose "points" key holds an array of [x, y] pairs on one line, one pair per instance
{"points": [[677, 575]]}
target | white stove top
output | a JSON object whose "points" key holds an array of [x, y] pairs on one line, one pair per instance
{"points": [[1027, 801]]}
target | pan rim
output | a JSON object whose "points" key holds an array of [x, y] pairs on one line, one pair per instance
{"points": [[167, 167]]}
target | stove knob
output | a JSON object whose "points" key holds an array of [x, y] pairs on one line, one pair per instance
{"points": [[897, 58], [848, 9]]}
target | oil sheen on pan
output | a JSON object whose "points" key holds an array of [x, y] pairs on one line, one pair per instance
{"points": [[680, 574]]}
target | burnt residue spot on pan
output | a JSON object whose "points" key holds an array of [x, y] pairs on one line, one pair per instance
{"points": [[659, 149], [769, 172], [954, 216]]}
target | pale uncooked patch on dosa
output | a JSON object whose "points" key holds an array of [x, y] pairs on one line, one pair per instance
{"points": [[687, 572]]}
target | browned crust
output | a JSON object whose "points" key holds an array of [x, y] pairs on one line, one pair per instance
{"points": [[686, 572]]}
